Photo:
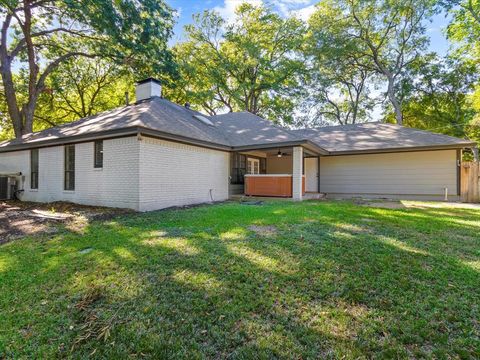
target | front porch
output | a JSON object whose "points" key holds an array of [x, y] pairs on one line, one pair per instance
{"points": [[285, 172]]}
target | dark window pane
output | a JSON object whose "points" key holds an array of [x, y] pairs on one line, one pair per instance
{"points": [[34, 169], [98, 154], [238, 170], [263, 166], [69, 167]]}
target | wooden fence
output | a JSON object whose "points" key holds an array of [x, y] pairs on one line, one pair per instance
{"points": [[470, 184]]}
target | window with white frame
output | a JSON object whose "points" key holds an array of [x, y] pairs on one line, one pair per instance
{"points": [[253, 166]]}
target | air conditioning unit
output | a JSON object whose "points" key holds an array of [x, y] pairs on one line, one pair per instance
{"points": [[4, 188], [9, 184]]}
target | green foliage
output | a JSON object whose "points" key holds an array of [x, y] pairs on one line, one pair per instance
{"points": [[38, 37], [133, 32], [78, 88], [327, 280], [339, 75], [439, 95], [248, 64], [374, 36], [81, 88], [464, 30]]}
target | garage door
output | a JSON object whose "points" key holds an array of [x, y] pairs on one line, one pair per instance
{"points": [[411, 173]]}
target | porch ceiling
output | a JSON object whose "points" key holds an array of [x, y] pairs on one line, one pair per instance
{"points": [[288, 150]]}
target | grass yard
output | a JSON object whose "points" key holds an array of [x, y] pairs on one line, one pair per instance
{"points": [[282, 280]]}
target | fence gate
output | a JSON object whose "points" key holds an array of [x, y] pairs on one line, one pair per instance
{"points": [[470, 184]]}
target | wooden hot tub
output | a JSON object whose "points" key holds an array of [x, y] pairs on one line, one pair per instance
{"points": [[278, 185]]}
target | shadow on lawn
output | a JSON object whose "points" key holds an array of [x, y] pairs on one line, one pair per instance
{"points": [[199, 283]]}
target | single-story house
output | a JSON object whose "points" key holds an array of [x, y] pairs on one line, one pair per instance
{"points": [[155, 154]]}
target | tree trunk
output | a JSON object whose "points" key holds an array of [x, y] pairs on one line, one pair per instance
{"points": [[395, 103], [28, 113], [7, 79], [13, 110]]}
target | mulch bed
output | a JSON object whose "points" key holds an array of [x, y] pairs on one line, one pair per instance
{"points": [[19, 219]]}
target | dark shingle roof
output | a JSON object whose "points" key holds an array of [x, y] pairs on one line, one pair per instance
{"points": [[155, 114], [244, 129], [233, 130], [376, 137]]}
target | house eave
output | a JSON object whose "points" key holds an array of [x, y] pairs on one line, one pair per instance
{"points": [[111, 134], [181, 139], [138, 130], [304, 143], [403, 149], [107, 134]]}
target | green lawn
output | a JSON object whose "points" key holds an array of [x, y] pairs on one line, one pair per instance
{"points": [[323, 280]]}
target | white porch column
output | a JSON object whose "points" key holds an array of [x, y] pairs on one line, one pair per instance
{"points": [[297, 173]]}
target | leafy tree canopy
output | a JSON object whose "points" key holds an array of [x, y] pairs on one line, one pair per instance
{"points": [[337, 85], [39, 36], [247, 65], [380, 36]]}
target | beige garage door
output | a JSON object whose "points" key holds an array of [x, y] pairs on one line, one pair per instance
{"points": [[408, 173]]}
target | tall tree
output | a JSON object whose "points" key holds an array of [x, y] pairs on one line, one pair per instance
{"points": [[338, 87], [82, 87], [388, 37], [248, 64], [464, 32], [41, 35], [464, 29], [393, 35], [439, 96]]}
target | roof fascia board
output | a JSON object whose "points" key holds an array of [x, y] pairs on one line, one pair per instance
{"points": [[402, 149], [181, 139], [107, 134], [305, 143]]}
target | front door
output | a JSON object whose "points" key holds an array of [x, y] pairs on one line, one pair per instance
{"points": [[311, 174], [253, 166]]}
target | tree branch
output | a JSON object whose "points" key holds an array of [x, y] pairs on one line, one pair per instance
{"points": [[58, 61]]}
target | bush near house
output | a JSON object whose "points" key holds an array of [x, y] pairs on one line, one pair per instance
{"points": [[281, 280]]}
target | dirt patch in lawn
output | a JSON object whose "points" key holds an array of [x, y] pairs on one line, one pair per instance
{"points": [[263, 230], [19, 219], [410, 204], [384, 204]]}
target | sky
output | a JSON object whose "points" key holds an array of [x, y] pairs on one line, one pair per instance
{"points": [[301, 8]]}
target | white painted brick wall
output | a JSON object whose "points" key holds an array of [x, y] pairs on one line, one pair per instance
{"points": [[142, 175], [297, 172], [115, 185], [174, 174]]}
